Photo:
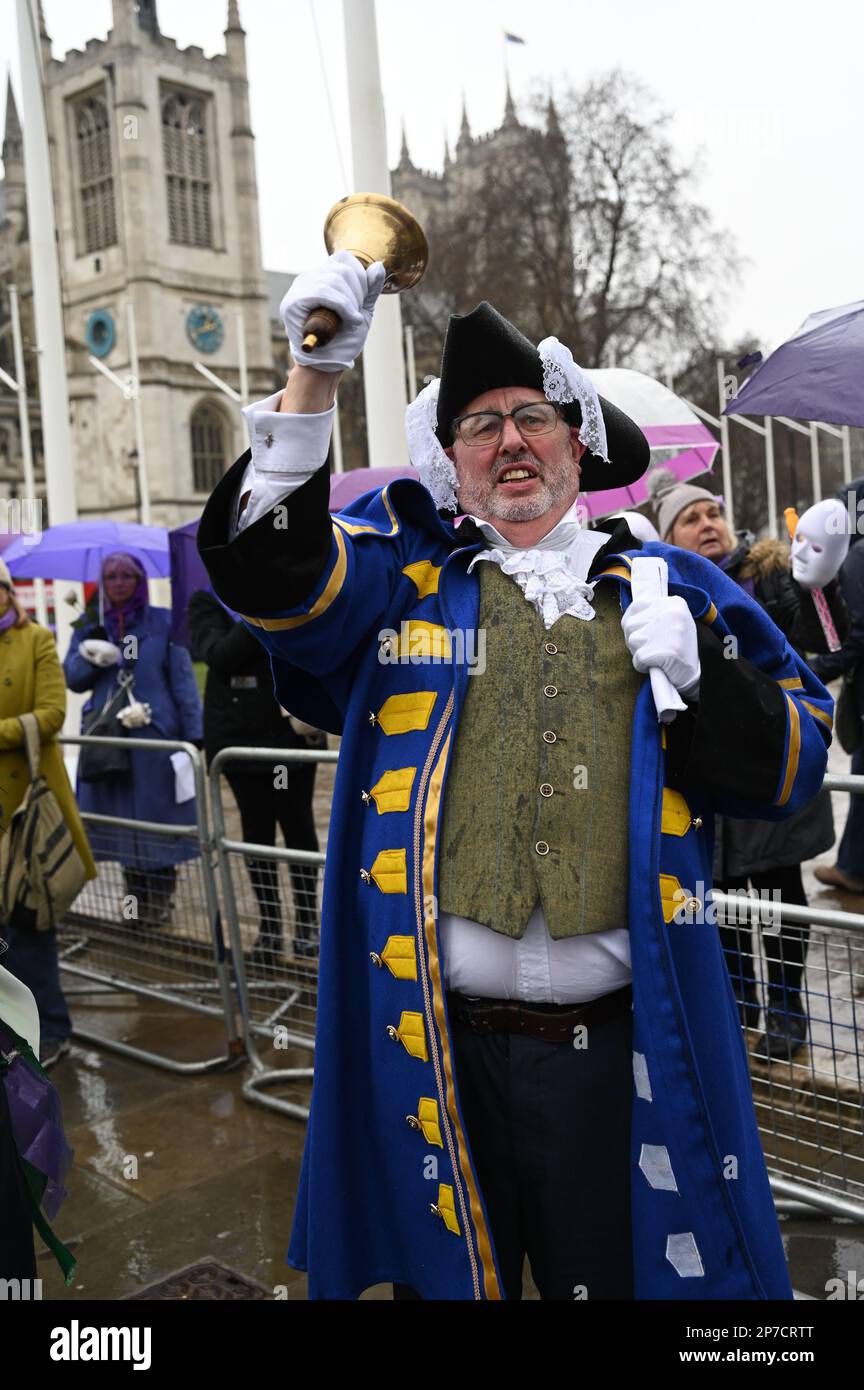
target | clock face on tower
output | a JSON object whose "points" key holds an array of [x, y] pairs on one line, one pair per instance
{"points": [[205, 328], [100, 333]]}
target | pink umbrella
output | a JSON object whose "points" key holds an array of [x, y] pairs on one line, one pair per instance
{"points": [[678, 439]]}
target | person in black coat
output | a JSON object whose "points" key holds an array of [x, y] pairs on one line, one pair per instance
{"points": [[764, 855], [240, 710], [848, 872]]}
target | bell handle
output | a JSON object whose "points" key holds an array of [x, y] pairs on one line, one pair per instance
{"points": [[321, 325]]}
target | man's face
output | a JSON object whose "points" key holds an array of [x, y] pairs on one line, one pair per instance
{"points": [[491, 477], [702, 528]]}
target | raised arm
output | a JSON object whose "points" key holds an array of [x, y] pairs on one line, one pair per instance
{"points": [[309, 588]]}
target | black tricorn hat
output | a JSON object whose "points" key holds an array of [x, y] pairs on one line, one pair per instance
{"points": [[483, 351]]}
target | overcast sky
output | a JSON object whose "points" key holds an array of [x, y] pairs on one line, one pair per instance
{"points": [[770, 95]]}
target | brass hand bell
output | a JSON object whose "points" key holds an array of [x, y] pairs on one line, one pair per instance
{"points": [[373, 228]]}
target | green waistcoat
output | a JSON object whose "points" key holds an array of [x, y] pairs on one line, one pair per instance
{"points": [[538, 788]]}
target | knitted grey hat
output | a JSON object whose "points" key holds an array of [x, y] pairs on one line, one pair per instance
{"points": [[669, 497]]}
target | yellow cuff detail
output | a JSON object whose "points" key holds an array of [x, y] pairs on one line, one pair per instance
{"points": [[446, 1208], [412, 1035], [427, 1114], [794, 751], [331, 591], [424, 641], [675, 818], [399, 714], [425, 575], [400, 957], [390, 871], [392, 791], [819, 714], [672, 896]]}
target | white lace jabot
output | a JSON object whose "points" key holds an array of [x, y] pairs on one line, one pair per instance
{"points": [[552, 574]]}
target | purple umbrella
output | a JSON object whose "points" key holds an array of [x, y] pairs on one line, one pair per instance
{"points": [[76, 550], [816, 375]]}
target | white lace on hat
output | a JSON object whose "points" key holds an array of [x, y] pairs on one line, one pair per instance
{"points": [[436, 470], [564, 381]]}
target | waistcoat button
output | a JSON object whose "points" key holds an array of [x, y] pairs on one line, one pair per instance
{"points": [[551, 649], [549, 737], [542, 847], [376, 959], [392, 1033], [546, 789], [550, 691], [412, 1121]]}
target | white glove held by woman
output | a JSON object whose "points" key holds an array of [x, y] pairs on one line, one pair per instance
{"points": [[340, 284], [100, 653], [135, 716]]}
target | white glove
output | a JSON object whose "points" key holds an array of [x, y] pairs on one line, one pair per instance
{"points": [[340, 284], [135, 716], [661, 632], [100, 653]]}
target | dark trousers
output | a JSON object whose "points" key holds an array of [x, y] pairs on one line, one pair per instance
{"points": [[549, 1130], [32, 958], [850, 855], [262, 807], [785, 950], [152, 887]]}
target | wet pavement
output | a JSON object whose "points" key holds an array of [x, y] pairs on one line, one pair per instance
{"points": [[171, 1169]]}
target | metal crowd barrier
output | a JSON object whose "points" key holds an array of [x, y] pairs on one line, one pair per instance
{"points": [[152, 931], [810, 1108], [273, 918]]}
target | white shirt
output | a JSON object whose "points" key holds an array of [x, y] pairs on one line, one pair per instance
{"points": [[286, 451]]}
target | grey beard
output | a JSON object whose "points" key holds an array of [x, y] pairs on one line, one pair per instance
{"points": [[481, 500]]}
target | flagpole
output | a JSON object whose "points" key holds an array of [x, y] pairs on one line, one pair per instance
{"points": [[48, 311], [383, 360]]}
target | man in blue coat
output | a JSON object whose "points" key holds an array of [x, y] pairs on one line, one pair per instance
{"points": [[527, 1040]]}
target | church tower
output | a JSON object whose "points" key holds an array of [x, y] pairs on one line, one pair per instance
{"points": [[157, 207]]}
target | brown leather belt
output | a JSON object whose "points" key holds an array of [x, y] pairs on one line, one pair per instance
{"points": [[548, 1022]]}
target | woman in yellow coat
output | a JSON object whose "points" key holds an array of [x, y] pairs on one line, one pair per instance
{"points": [[31, 681]]}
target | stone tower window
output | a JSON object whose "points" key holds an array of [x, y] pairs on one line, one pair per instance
{"points": [[209, 447], [187, 169], [95, 173]]}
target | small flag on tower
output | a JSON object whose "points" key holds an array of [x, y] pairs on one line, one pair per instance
{"points": [[512, 38]]}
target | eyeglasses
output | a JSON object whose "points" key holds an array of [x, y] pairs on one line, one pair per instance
{"points": [[487, 426]]}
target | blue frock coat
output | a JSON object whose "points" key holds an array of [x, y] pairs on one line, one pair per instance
{"points": [[372, 1206]]}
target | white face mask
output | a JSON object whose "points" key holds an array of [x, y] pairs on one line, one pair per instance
{"points": [[820, 544]]}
